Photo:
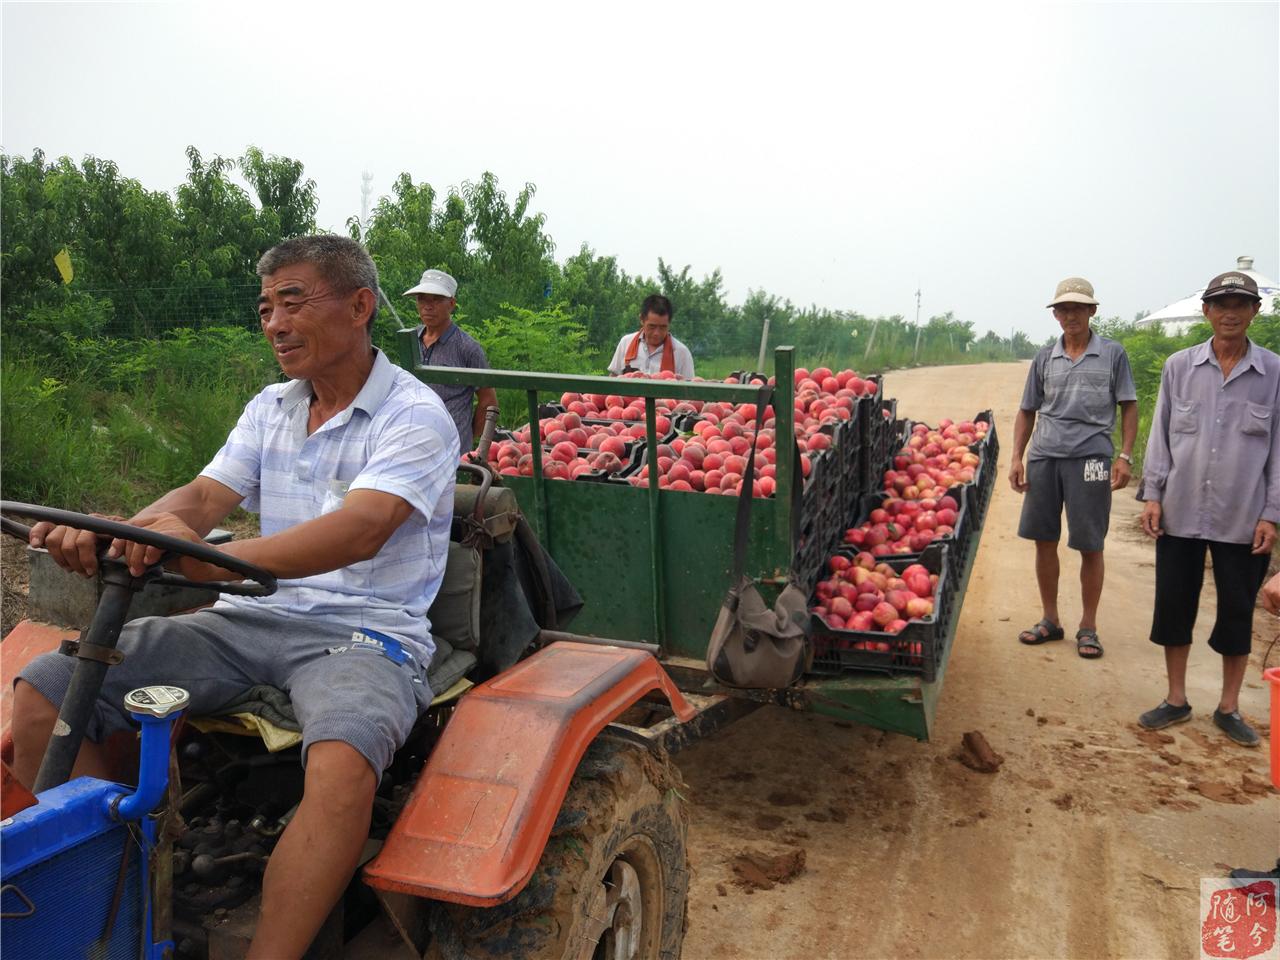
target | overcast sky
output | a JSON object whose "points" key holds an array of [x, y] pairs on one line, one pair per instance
{"points": [[981, 152]]}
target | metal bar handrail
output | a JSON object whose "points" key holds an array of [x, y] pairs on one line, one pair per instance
{"points": [[410, 359]]}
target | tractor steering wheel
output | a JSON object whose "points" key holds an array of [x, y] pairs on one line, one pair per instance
{"points": [[263, 583]]}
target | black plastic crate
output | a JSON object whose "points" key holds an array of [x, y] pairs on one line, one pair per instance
{"points": [[629, 456], [821, 489], [817, 539], [631, 464], [851, 480], [834, 650], [872, 468], [848, 448], [958, 542], [667, 437], [869, 406], [879, 435], [683, 422], [988, 450]]}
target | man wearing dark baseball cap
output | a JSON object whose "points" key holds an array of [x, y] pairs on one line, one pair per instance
{"points": [[1232, 283], [1072, 390], [1211, 481]]}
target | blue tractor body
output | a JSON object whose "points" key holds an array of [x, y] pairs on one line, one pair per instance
{"points": [[76, 880]]}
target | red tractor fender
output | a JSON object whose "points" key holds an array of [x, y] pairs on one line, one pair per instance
{"points": [[480, 814], [24, 643]]}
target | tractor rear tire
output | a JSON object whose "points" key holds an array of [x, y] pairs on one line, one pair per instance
{"points": [[612, 883]]}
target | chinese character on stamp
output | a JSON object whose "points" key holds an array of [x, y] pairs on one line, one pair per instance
{"points": [[1238, 919]]}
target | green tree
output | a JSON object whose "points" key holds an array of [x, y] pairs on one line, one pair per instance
{"points": [[601, 297], [281, 192], [706, 323], [497, 250], [220, 234], [511, 254]]}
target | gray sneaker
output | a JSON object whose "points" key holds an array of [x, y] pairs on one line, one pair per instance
{"points": [[1165, 715], [1233, 725]]}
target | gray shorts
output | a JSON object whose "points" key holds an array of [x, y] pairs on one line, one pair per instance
{"points": [[1083, 486], [353, 692]]}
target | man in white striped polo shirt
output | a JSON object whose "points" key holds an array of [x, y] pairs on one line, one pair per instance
{"points": [[351, 465]]}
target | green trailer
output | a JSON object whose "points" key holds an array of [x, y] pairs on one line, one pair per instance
{"points": [[652, 565]]}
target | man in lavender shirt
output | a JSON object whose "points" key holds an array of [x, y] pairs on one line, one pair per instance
{"points": [[445, 344], [1211, 481]]}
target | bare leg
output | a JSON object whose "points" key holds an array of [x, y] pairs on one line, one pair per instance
{"points": [[317, 854], [1091, 571], [1175, 663], [33, 719], [1047, 578], [1233, 670]]}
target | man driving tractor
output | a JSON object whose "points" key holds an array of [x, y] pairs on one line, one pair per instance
{"points": [[351, 466]]}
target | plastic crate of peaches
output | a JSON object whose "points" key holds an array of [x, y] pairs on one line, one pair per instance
{"points": [[885, 613]]}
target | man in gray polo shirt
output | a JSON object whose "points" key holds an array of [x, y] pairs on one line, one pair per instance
{"points": [[445, 344], [1074, 385], [1211, 481]]}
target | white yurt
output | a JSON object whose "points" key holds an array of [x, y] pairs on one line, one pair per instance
{"points": [[1177, 318]]}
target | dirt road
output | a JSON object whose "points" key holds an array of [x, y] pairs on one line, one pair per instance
{"points": [[1089, 842]]}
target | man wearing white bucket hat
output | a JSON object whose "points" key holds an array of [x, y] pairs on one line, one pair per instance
{"points": [[444, 344]]}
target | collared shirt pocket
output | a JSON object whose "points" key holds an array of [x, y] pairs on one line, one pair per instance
{"points": [[1095, 391], [1184, 417], [1257, 420], [334, 495]]}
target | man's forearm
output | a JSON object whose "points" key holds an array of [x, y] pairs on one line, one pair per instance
{"points": [[201, 504], [1128, 426], [1022, 424], [329, 542]]}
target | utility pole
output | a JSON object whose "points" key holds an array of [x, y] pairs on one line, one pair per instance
{"points": [[916, 356], [366, 188], [764, 343]]}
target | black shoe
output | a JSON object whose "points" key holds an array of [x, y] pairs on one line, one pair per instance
{"points": [[1242, 874], [1165, 715], [1233, 725]]}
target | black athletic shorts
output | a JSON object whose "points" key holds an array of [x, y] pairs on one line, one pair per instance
{"points": [[1237, 574]]}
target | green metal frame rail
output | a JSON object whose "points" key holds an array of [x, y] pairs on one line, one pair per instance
{"points": [[590, 530]]}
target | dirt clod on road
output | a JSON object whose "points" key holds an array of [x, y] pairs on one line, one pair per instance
{"points": [[759, 871], [976, 753]]}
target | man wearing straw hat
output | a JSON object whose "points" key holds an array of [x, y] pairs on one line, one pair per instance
{"points": [[1070, 398]]}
